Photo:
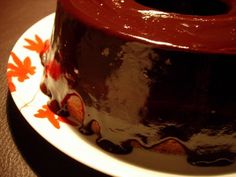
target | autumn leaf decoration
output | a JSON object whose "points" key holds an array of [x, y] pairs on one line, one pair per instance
{"points": [[45, 112], [19, 69], [37, 45]]}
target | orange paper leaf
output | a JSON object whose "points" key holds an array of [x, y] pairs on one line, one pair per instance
{"points": [[45, 112], [37, 45], [20, 69]]}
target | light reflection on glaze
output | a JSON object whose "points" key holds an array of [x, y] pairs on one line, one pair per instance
{"points": [[146, 14]]}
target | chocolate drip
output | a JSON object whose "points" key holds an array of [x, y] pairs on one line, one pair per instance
{"points": [[220, 158]]}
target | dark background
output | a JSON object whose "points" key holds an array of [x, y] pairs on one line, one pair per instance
{"points": [[23, 153]]}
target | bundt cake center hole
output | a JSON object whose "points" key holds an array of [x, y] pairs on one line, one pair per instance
{"points": [[188, 7]]}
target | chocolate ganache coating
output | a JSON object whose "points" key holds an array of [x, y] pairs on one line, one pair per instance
{"points": [[145, 83]]}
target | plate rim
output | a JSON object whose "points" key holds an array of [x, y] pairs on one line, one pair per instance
{"points": [[124, 167]]}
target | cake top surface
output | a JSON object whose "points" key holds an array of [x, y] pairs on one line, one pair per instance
{"points": [[209, 26]]}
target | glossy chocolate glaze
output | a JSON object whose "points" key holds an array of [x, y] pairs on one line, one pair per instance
{"points": [[130, 19], [139, 91]]}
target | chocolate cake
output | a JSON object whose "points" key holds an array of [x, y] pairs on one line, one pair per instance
{"points": [[154, 74]]}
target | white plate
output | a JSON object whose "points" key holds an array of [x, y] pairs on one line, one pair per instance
{"points": [[29, 100]]}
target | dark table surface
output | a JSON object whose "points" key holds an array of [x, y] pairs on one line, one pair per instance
{"points": [[21, 156]]}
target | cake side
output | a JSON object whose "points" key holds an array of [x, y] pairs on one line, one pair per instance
{"points": [[134, 94]]}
